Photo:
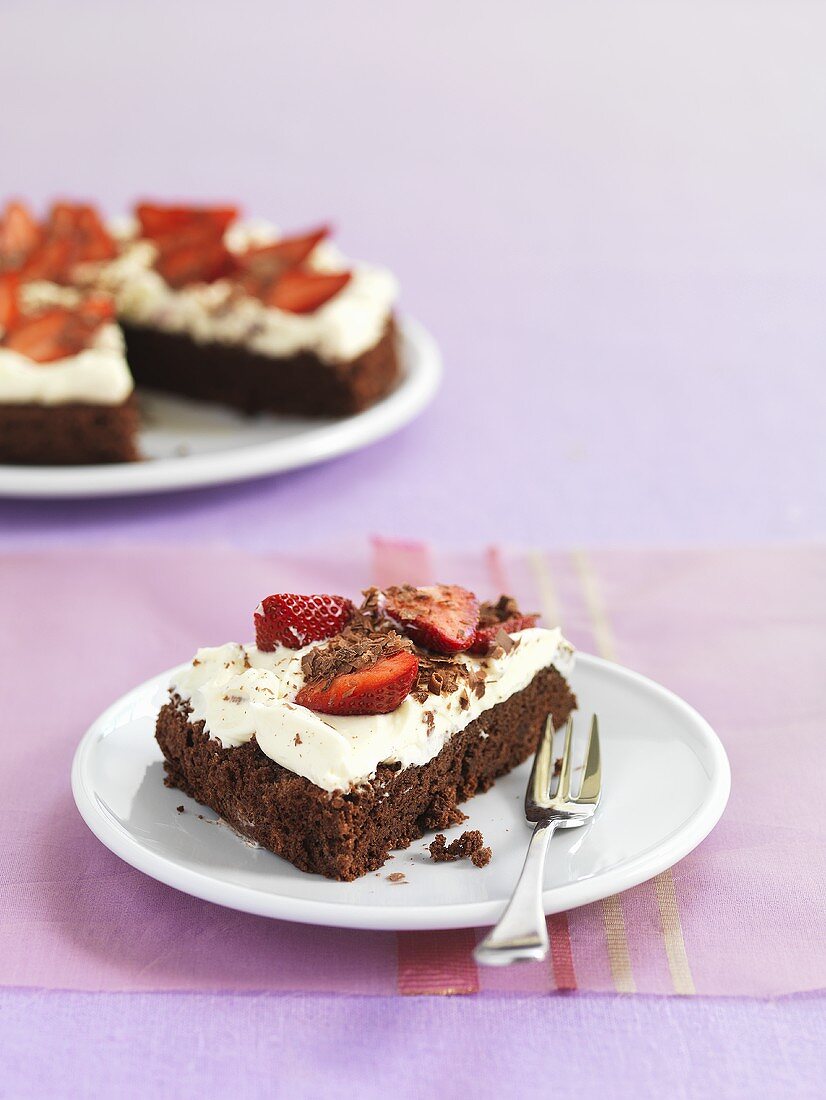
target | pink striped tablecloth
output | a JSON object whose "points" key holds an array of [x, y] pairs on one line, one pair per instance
{"points": [[740, 633]]}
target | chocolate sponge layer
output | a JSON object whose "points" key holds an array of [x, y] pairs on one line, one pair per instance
{"points": [[74, 434], [301, 385]]}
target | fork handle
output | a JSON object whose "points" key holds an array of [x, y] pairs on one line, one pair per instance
{"points": [[521, 933]]}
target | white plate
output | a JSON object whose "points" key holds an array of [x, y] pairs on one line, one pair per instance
{"points": [[666, 783], [191, 443]]}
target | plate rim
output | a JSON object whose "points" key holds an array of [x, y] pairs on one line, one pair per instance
{"points": [[413, 918], [199, 471]]}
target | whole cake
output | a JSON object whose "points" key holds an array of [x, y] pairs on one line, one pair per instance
{"points": [[202, 305], [345, 732]]}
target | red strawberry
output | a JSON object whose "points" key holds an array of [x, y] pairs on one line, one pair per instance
{"points": [[9, 308], [441, 617], [375, 690], [203, 261], [48, 336], [96, 308], [304, 291], [295, 621], [288, 252], [51, 260], [158, 221], [485, 636], [19, 234]]}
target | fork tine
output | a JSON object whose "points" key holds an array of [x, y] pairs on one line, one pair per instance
{"points": [[539, 785], [563, 791], [592, 775]]}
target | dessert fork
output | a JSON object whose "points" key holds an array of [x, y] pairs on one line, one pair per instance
{"points": [[521, 933]]}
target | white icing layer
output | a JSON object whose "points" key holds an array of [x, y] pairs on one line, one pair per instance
{"points": [[239, 691], [98, 375], [349, 324]]}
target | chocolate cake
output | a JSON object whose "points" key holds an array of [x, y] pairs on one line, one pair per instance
{"points": [[73, 434], [301, 385], [347, 732], [212, 309]]}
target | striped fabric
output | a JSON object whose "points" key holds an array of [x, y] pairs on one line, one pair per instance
{"points": [[741, 633]]}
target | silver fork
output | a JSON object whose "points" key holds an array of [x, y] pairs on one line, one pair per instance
{"points": [[521, 933]]}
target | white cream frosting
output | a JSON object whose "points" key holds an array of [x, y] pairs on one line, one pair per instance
{"points": [[240, 691], [349, 324], [98, 375]]}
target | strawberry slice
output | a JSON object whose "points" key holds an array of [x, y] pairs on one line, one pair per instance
{"points": [[51, 260], [158, 221], [304, 291], [375, 690], [294, 621], [485, 637], [441, 617], [96, 308], [48, 336], [289, 252], [201, 262], [81, 225], [9, 307], [19, 234]]}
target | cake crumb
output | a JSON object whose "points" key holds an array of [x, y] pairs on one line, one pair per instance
{"points": [[180, 809], [470, 845], [297, 740], [558, 766], [396, 877]]}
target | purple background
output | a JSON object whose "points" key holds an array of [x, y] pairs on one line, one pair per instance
{"points": [[611, 216]]}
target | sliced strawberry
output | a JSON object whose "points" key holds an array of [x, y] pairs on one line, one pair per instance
{"points": [[304, 291], [289, 252], [48, 336], [295, 621], [441, 617], [19, 234], [485, 637], [9, 307], [375, 690], [96, 242], [201, 262], [51, 260], [96, 308], [157, 221]]}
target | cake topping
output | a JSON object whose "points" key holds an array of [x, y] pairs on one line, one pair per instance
{"points": [[189, 241], [377, 689], [299, 291], [191, 246], [19, 235], [266, 261], [351, 651], [56, 332], [295, 621], [441, 617], [159, 222], [9, 298], [497, 621], [73, 234]]}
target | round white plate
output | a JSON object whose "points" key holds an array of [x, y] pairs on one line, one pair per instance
{"points": [[192, 443], [666, 783]]}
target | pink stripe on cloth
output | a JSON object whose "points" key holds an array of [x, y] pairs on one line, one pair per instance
{"points": [[741, 634]]}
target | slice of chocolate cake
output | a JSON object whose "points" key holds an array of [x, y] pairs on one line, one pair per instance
{"points": [[344, 733], [65, 388]]}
